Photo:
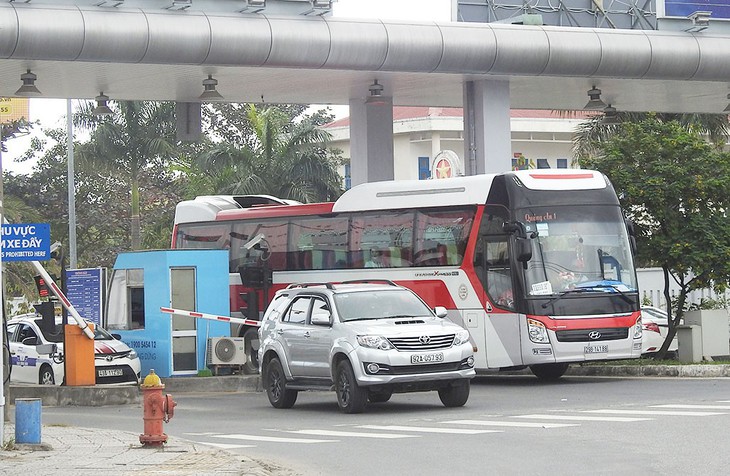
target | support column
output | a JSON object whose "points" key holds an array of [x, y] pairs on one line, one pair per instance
{"points": [[371, 140], [487, 135]]}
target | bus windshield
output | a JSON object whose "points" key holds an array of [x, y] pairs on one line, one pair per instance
{"points": [[581, 248]]}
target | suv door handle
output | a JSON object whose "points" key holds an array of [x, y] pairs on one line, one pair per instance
{"points": [[307, 334], [280, 331]]}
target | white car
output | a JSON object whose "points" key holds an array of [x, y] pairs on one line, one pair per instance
{"points": [[364, 340], [656, 328], [37, 356]]}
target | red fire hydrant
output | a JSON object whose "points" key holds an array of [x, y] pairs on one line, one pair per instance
{"points": [[157, 409]]}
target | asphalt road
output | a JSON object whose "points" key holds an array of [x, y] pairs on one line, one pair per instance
{"points": [[511, 425]]}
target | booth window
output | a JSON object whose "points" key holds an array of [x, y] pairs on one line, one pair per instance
{"points": [[125, 308]]}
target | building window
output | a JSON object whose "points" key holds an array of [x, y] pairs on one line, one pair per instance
{"points": [[562, 163], [348, 177], [424, 171], [543, 164]]}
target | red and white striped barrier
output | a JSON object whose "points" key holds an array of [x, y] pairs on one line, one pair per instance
{"points": [[212, 317]]}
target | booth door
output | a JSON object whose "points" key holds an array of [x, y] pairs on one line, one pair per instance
{"points": [[184, 329]]}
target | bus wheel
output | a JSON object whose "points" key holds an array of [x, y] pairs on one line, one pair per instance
{"points": [[549, 371], [251, 347]]}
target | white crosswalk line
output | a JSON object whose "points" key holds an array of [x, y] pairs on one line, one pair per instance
{"points": [[654, 412], [581, 418], [224, 446], [423, 429], [690, 407], [517, 424], [355, 434], [271, 439]]}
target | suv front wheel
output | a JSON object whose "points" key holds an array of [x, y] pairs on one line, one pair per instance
{"points": [[455, 395], [351, 398], [275, 384]]}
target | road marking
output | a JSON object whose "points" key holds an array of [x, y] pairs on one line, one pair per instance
{"points": [[271, 439], [581, 418], [517, 424], [224, 446], [205, 433], [351, 434], [423, 429], [654, 412], [698, 407]]}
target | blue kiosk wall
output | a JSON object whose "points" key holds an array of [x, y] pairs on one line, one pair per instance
{"points": [[154, 341]]}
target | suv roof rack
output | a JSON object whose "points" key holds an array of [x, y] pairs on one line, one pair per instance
{"points": [[364, 281], [308, 285]]}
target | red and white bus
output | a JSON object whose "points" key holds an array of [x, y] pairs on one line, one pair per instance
{"points": [[537, 265]]}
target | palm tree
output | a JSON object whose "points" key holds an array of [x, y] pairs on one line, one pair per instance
{"points": [[281, 157], [596, 129], [138, 135]]}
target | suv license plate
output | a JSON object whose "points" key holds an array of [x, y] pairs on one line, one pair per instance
{"points": [[427, 358], [595, 349], [110, 372]]}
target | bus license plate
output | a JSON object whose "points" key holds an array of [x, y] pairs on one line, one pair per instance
{"points": [[110, 372], [595, 349], [427, 358]]}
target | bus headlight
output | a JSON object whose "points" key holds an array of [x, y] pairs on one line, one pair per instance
{"points": [[537, 332], [638, 329], [461, 337], [375, 342]]}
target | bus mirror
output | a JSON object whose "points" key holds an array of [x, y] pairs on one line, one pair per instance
{"points": [[252, 305], [524, 250]]}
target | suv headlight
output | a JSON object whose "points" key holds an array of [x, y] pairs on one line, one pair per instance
{"points": [[461, 337], [375, 342], [537, 332]]}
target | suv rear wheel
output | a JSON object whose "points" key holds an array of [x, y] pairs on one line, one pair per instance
{"points": [[379, 397], [275, 384], [351, 398], [455, 395]]}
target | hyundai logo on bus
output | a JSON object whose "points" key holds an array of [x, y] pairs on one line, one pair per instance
{"points": [[593, 335], [26, 242]]}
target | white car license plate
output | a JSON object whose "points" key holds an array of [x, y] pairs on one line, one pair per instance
{"points": [[427, 358], [110, 372], [595, 349]]}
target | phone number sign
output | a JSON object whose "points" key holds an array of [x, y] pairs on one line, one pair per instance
{"points": [[26, 242]]}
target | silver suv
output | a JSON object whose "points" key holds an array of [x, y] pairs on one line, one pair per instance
{"points": [[365, 339]]}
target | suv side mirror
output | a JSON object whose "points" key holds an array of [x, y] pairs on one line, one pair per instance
{"points": [[321, 318], [30, 341], [440, 311]]}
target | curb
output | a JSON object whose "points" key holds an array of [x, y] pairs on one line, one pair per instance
{"points": [[684, 371]]}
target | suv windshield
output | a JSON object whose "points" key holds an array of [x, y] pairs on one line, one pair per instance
{"points": [[379, 305], [578, 247]]}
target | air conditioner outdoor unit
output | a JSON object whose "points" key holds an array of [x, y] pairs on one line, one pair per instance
{"points": [[226, 351]]}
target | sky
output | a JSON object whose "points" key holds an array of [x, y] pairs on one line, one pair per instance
{"points": [[52, 112]]}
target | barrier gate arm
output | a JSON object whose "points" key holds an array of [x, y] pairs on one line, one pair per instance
{"points": [[212, 317], [64, 300]]}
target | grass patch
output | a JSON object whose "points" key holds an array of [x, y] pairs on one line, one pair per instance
{"points": [[9, 444], [205, 373]]}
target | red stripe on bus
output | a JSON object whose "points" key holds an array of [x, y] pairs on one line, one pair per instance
{"points": [[561, 176]]}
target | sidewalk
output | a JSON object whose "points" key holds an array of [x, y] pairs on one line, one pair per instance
{"points": [[72, 451]]}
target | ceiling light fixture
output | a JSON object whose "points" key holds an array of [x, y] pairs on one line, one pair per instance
{"points": [[209, 90], [376, 94], [28, 88], [102, 109], [595, 103]]}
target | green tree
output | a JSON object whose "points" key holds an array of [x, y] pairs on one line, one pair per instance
{"points": [[674, 186], [266, 151], [137, 136], [591, 133]]}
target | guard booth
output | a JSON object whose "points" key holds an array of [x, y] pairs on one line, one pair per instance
{"points": [[142, 282]]}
